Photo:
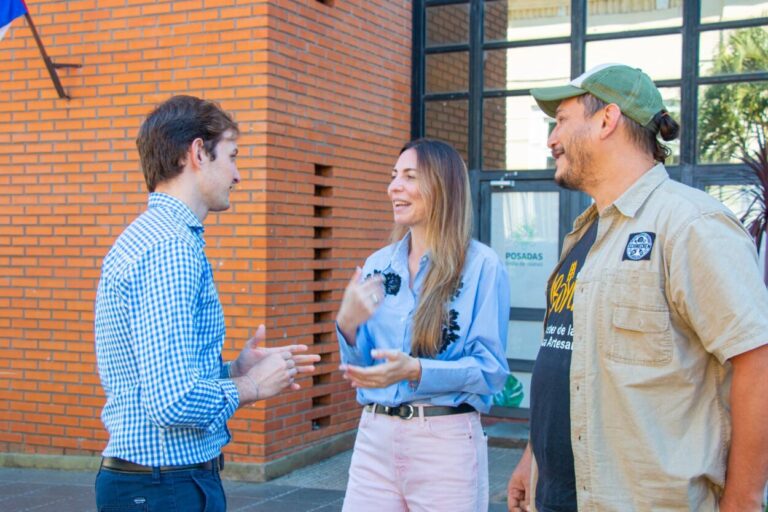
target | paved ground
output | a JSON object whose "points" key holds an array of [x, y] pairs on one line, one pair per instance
{"points": [[316, 488]]}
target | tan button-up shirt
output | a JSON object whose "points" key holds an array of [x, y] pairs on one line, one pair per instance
{"points": [[669, 292]]}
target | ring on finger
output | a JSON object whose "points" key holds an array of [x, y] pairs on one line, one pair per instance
{"points": [[375, 298]]}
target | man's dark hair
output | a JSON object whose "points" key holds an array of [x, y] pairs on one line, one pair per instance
{"points": [[644, 137], [166, 134]]}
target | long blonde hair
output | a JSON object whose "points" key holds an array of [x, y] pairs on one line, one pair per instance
{"points": [[444, 185]]}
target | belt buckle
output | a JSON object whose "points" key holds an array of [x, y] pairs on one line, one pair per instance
{"points": [[408, 415]]}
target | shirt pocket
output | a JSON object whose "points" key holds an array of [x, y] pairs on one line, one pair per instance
{"points": [[640, 337], [450, 427], [639, 330]]}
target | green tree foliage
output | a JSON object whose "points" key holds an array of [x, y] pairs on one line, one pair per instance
{"points": [[733, 117]]}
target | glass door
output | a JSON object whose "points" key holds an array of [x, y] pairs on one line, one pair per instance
{"points": [[524, 221]]}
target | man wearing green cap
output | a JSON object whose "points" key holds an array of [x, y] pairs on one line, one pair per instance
{"points": [[649, 390]]}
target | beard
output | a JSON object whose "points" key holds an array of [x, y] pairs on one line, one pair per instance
{"points": [[575, 175]]}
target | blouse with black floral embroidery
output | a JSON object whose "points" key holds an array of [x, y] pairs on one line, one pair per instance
{"points": [[471, 364]]}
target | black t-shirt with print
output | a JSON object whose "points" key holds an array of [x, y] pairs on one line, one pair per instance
{"points": [[550, 400]]}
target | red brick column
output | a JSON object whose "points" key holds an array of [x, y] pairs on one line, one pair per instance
{"points": [[322, 95]]}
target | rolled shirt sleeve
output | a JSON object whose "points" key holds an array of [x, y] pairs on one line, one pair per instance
{"points": [[716, 284], [358, 354]]}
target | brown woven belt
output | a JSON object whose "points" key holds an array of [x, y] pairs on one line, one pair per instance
{"points": [[131, 467], [408, 411]]}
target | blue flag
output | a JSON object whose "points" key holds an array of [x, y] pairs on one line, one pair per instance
{"points": [[9, 11]]}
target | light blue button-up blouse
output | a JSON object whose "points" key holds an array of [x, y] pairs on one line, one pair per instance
{"points": [[471, 365]]}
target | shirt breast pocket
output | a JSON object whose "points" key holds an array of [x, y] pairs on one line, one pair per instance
{"points": [[639, 330], [640, 337]]}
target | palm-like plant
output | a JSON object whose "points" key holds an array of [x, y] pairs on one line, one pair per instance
{"points": [[755, 217], [733, 116]]}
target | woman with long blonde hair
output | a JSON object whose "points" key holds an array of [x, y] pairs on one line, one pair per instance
{"points": [[421, 330]]}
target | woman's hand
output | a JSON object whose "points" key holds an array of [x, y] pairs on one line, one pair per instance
{"points": [[361, 299], [399, 366]]}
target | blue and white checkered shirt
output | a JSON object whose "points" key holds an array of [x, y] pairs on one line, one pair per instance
{"points": [[159, 333]]}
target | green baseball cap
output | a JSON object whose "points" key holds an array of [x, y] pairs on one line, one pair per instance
{"points": [[629, 88]]}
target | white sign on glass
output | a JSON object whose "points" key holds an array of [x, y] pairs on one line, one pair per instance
{"points": [[524, 233]]}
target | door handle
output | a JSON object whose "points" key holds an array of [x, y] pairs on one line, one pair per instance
{"points": [[503, 183]]}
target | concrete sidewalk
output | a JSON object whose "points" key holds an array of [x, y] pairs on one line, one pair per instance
{"points": [[316, 488]]}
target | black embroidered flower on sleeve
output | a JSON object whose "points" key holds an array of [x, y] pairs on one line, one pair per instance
{"points": [[450, 330], [391, 281]]}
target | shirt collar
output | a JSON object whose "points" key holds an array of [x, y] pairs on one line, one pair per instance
{"points": [[177, 208], [631, 200], [636, 195], [587, 216], [399, 259]]}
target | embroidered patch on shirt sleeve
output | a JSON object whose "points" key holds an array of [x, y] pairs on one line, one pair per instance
{"points": [[639, 246]]}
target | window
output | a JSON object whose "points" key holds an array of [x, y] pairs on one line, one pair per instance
{"points": [[475, 61]]}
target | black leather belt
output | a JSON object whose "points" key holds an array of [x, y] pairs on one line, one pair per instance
{"points": [[131, 467], [408, 411]]}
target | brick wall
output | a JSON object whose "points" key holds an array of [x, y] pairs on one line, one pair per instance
{"points": [[338, 112], [321, 93]]}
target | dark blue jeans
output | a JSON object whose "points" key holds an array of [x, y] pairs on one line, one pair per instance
{"points": [[172, 491]]}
